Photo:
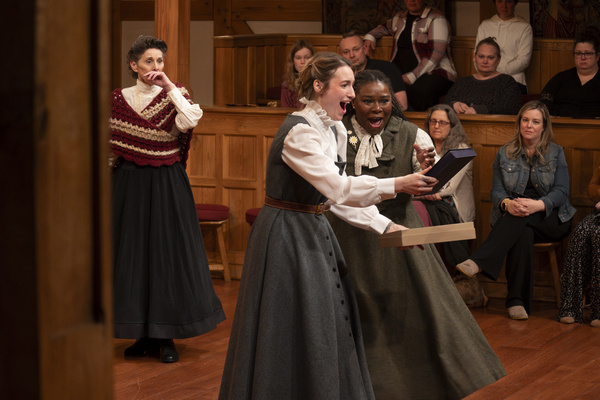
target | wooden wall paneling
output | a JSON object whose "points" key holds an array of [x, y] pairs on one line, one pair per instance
{"points": [[202, 167], [261, 73], [253, 76], [462, 55], [238, 157], [241, 160], [241, 78], [276, 10], [533, 74], [275, 55], [223, 76]]}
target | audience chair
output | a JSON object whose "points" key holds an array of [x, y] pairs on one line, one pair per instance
{"points": [[251, 215], [214, 217], [550, 249]]}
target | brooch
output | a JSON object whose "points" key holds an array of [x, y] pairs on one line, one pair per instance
{"points": [[352, 139]]}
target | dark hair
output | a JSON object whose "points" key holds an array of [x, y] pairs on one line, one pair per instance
{"points": [[290, 74], [139, 47], [351, 33], [590, 35], [489, 41], [457, 134], [515, 145], [367, 76], [321, 67], [516, 1]]}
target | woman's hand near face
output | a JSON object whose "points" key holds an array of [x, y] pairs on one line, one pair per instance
{"points": [[425, 156], [161, 79], [598, 206], [416, 184], [407, 81]]}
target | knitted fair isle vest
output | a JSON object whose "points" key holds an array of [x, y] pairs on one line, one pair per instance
{"points": [[146, 139]]}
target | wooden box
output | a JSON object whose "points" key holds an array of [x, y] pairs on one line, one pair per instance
{"points": [[429, 234]]}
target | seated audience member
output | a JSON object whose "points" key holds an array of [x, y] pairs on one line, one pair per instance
{"points": [[421, 52], [582, 265], [411, 314], [352, 48], [299, 55], [487, 91], [576, 91], [530, 203], [515, 38], [455, 202]]}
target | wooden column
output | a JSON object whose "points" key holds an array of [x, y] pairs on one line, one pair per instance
{"points": [[55, 256], [172, 24]]}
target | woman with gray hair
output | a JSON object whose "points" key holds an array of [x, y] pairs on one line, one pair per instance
{"points": [[162, 285]]}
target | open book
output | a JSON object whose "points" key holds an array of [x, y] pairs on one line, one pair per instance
{"points": [[453, 161]]}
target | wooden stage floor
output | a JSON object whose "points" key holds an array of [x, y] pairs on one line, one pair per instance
{"points": [[543, 358]]}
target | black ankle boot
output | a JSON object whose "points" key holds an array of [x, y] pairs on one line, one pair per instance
{"points": [[141, 347], [168, 353]]}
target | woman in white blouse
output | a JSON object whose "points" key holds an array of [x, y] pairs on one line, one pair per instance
{"points": [[296, 331]]}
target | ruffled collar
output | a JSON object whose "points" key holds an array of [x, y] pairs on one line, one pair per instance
{"points": [[145, 88], [320, 111], [369, 150]]}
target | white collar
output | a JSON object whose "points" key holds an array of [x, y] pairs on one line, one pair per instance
{"points": [[369, 150], [320, 111], [145, 88]]}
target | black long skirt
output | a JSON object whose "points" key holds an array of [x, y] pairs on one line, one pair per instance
{"points": [[162, 283]]}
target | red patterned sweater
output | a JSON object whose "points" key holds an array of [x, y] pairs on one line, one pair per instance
{"points": [[146, 139]]}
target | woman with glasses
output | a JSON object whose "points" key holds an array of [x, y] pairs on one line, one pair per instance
{"points": [[421, 341], [576, 91], [455, 202]]}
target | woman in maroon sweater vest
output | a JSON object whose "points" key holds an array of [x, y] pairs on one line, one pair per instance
{"points": [[162, 285]]}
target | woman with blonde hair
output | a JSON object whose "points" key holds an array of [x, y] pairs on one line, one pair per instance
{"points": [[530, 198], [298, 56]]}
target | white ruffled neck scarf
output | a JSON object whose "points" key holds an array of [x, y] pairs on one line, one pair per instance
{"points": [[369, 150], [321, 113]]}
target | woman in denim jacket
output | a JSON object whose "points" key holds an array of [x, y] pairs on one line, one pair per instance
{"points": [[530, 194]]}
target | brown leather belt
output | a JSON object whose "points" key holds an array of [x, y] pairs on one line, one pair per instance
{"points": [[288, 205]]}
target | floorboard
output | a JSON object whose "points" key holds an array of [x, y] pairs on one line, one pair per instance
{"points": [[543, 358]]}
